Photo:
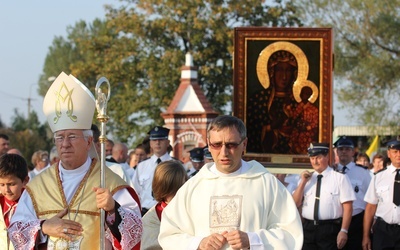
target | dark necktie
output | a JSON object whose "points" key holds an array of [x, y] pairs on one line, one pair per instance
{"points": [[396, 188], [158, 160], [344, 169], [317, 194]]}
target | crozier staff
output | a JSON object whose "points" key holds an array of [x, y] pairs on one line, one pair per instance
{"points": [[60, 208]]}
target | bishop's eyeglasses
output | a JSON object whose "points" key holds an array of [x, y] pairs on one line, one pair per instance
{"points": [[70, 138]]}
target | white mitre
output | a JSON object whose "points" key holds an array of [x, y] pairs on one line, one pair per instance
{"points": [[68, 104]]}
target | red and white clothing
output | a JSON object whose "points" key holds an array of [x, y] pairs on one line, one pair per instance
{"points": [[56, 189], [7, 211]]}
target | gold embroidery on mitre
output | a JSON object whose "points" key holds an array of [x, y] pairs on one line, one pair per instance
{"points": [[61, 99]]}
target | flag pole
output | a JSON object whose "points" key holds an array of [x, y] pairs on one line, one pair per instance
{"points": [[102, 117]]}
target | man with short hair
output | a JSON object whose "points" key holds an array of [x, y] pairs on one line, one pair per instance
{"points": [[114, 166], [325, 198], [360, 179], [197, 159], [383, 203], [144, 174], [207, 155], [230, 203], [4, 144], [60, 208], [120, 155], [109, 146], [14, 151]]}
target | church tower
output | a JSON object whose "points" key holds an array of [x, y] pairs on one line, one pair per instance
{"points": [[188, 114]]}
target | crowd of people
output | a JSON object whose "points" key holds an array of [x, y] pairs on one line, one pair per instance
{"points": [[215, 201]]}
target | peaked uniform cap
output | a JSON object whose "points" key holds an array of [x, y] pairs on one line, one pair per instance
{"points": [[394, 143], [68, 104], [318, 148], [158, 133], [207, 153], [197, 154], [344, 142]]}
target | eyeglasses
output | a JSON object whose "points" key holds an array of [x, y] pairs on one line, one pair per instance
{"points": [[70, 138], [229, 145]]}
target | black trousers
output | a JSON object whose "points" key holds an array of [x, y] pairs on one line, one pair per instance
{"points": [[386, 236], [322, 236], [144, 211], [355, 235]]}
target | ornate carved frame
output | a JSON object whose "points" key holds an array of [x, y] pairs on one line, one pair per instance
{"points": [[317, 44]]}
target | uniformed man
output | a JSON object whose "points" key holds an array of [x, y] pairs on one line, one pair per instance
{"points": [[143, 178], [197, 159], [207, 155], [325, 202], [383, 200], [360, 179]]}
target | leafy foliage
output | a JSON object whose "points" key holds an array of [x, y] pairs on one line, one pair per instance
{"points": [[141, 45], [367, 53], [28, 135]]}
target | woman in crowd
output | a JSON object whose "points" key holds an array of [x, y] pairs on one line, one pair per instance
{"points": [[169, 176]]}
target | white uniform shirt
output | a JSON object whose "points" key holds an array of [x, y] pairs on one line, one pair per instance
{"points": [[144, 179], [335, 190], [360, 179], [292, 181], [380, 192], [120, 171]]}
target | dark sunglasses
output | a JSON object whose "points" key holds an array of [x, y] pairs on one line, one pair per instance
{"points": [[229, 145]]}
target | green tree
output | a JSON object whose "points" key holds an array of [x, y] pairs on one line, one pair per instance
{"points": [[141, 46], [28, 135], [367, 49]]}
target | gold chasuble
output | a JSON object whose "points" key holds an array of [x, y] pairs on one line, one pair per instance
{"points": [[48, 200]]}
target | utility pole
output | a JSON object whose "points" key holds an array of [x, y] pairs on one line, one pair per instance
{"points": [[30, 99]]}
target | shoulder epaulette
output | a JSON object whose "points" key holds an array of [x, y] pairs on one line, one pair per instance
{"points": [[145, 159], [361, 166], [337, 170], [383, 169]]}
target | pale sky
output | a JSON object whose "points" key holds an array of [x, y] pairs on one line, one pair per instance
{"points": [[27, 30]]}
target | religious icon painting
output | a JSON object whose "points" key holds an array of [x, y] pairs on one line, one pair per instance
{"points": [[283, 91]]}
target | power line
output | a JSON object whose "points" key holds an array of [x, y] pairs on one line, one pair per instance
{"points": [[13, 96]]}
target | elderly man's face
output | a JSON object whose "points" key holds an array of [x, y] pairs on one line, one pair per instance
{"points": [[394, 155], [72, 147], [319, 162]]}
